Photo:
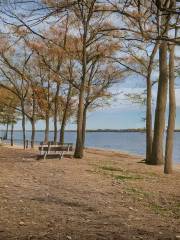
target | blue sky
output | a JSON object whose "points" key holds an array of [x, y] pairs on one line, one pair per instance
{"points": [[121, 113]]}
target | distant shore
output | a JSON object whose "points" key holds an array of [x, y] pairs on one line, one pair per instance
{"points": [[96, 130]]}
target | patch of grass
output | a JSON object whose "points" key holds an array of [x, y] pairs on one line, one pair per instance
{"points": [[112, 169], [166, 210], [158, 209], [127, 177], [175, 209], [139, 192], [152, 174]]}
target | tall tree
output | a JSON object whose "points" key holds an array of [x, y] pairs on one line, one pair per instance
{"points": [[159, 124]]}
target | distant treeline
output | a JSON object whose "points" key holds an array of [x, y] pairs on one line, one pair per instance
{"points": [[99, 130]]}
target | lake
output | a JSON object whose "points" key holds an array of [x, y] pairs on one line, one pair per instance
{"points": [[131, 142]]}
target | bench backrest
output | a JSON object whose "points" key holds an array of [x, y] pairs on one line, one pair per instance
{"points": [[53, 143], [54, 148]]}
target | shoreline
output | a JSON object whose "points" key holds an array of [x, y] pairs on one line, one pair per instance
{"points": [[176, 166]]}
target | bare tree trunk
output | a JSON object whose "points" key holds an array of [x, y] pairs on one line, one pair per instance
{"points": [[172, 115], [23, 124], [33, 122], [12, 133], [63, 124], [149, 120], [84, 125], [149, 135], [56, 112], [62, 130], [33, 132], [79, 141], [46, 134], [159, 125]]}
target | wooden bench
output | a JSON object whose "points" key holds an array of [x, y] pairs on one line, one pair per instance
{"points": [[55, 150]]}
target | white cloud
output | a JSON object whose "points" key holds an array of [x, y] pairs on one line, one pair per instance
{"points": [[122, 102]]}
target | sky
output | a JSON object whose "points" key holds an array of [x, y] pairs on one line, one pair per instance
{"points": [[122, 113]]}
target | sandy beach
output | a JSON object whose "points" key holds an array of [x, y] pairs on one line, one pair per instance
{"points": [[105, 196]]}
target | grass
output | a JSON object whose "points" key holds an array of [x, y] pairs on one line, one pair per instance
{"points": [[127, 177], [147, 197], [112, 169], [173, 208], [158, 209], [139, 192]]}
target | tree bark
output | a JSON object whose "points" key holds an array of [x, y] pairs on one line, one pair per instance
{"points": [[33, 122], [33, 132], [149, 135], [172, 116], [79, 141], [56, 113], [159, 124], [64, 120], [84, 125], [149, 120], [62, 130], [46, 134], [23, 124]]}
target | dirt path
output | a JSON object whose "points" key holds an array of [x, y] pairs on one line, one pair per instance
{"points": [[106, 195]]}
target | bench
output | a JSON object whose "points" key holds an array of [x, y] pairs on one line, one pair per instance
{"points": [[55, 150]]}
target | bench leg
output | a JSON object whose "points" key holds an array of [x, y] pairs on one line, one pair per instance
{"points": [[45, 155], [61, 155]]}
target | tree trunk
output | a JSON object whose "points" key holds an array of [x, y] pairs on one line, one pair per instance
{"points": [[159, 125], [33, 132], [56, 112], [149, 120], [172, 115], [84, 126], [63, 124], [12, 133], [149, 135], [23, 125], [62, 130], [33, 122], [79, 141], [46, 135]]}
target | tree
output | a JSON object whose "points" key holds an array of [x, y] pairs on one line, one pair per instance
{"points": [[8, 113], [15, 75], [159, 124], [139, 59]]}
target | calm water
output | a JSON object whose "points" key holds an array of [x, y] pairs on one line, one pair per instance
{"points": [[131, 142]]}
